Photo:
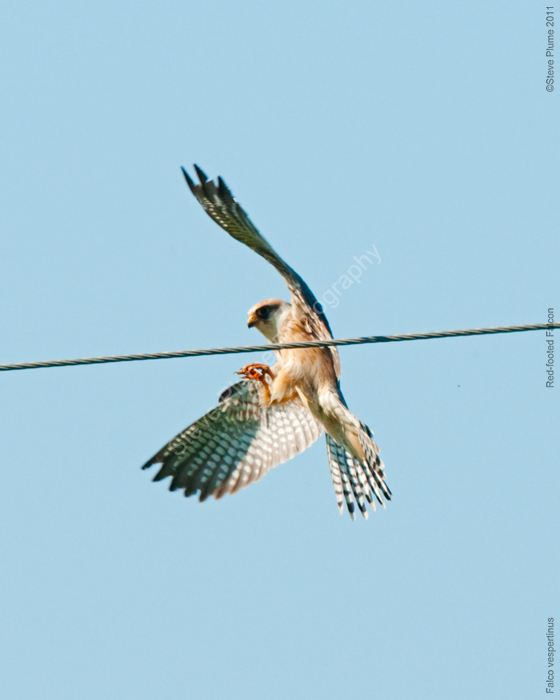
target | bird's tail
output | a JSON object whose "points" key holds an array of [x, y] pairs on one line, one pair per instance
{"points": [[355, 480]]}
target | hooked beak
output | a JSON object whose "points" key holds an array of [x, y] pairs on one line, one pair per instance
{"points": [[251, 322]]}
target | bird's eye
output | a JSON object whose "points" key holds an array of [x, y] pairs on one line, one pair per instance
{"points": [[263, 312]]}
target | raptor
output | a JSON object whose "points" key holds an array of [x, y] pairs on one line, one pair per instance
{"points": [[275, 412]]}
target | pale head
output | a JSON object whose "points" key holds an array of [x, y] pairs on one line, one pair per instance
{"points": [[268, 316]]}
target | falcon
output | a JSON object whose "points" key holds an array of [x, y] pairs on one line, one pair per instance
{"points": [[275, 412]]}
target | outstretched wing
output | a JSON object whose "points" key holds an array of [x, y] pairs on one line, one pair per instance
{"points": [[220, 205], [235, 444]]}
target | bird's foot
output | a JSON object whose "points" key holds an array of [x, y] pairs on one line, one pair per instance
{"points": [[256, 371]]}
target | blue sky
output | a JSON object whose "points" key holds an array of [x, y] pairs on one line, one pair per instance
{"points": [[423, 130]]}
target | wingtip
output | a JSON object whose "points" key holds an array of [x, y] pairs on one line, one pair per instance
{"points": [[224, 191], [201, 174], [189, 180]]}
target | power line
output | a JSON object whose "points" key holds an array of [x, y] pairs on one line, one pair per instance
{"points": [[277, 346]]}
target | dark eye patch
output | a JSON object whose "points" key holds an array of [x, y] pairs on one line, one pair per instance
{"points": [[263, 312]]}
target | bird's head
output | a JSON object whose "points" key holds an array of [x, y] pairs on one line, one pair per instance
{"points": [[268, 316]]}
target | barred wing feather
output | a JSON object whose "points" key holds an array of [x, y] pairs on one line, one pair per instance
{"points": [[235, 444], [353, 480]]}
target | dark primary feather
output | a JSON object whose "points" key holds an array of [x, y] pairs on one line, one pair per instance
{"points": [[219, 203]]}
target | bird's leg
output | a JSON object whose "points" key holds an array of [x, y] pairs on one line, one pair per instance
{"points": [[258, 372]]}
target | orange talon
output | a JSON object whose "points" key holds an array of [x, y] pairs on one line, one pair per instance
{"points": [[256, 371]]}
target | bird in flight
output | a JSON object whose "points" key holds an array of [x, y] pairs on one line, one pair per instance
{"points": [[274, 413]]}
